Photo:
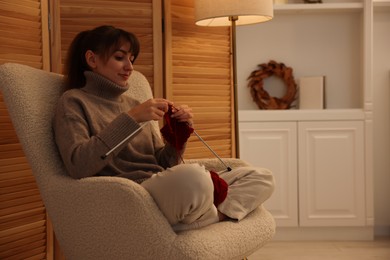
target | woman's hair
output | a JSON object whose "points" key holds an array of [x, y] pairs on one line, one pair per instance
{"points": [[104, 41]]}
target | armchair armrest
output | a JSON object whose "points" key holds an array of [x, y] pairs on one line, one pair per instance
{"points": [[108, 214]]}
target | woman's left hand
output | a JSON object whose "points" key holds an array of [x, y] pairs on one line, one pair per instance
{"points": [[183, 113]]}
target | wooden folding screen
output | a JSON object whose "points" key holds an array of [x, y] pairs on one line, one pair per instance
{"points": [[24, 230], [198, 73]]}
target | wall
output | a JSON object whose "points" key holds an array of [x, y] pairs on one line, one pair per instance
{"points": [[381, 79]]}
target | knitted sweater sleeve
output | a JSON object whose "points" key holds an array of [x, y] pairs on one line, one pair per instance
{"points": [[82, 152]]}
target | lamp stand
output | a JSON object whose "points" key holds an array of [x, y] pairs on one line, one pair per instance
{"points": [[233, 20]]}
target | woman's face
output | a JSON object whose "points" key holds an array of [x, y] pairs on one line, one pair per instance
{"points": [[118, 67]]}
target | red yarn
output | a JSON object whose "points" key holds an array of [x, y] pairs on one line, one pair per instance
{"points": [[220, 188], [174, 132]]}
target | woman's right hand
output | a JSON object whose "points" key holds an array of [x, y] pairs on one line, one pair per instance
{"points": [[152, 109]]}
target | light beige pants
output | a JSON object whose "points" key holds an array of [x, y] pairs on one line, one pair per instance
{"points": [[184, 194]]}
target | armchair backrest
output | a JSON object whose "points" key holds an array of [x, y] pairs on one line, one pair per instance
{"points": [[31, 96]]}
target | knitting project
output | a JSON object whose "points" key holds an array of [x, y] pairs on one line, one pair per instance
{"points": [[176, 134]]}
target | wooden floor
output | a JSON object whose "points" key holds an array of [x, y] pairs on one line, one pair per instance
{"points": [[379, 249]]}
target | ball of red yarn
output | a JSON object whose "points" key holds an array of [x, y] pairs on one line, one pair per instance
{"points": [[220, 188]]}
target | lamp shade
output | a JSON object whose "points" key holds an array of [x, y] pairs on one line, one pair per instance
{"points": [[218, 12]]}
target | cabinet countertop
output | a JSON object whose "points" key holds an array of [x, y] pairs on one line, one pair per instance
{"points": [[300, 115]]}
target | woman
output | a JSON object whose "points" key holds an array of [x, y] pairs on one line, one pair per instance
{"points": [[93, 116]]}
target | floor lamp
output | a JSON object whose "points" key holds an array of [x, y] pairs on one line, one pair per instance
{"points": [[233, 13]]}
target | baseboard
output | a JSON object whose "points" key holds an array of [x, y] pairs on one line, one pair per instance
{"points": [[324, 233], [382, 231]]}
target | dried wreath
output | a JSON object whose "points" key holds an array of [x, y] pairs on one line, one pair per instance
{"points": [[261, 96]]}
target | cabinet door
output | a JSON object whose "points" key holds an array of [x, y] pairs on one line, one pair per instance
{"points": [[331, 173], [274, 146]]}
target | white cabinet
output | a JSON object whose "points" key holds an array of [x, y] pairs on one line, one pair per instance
{"points": [[331, 173], [318, 160]]}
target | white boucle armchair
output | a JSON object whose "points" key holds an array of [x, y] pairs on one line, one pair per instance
{"points": [[110, 217]]}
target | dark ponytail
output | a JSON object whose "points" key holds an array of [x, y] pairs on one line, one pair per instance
{"points": [[75, 62], [103, 40]]}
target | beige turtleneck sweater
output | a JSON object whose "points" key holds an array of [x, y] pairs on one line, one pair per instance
{"points": [[92, 120]]}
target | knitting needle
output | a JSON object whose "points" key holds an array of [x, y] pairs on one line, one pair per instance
{"points": [[204, 142], [122, 142], [216, 155]]}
